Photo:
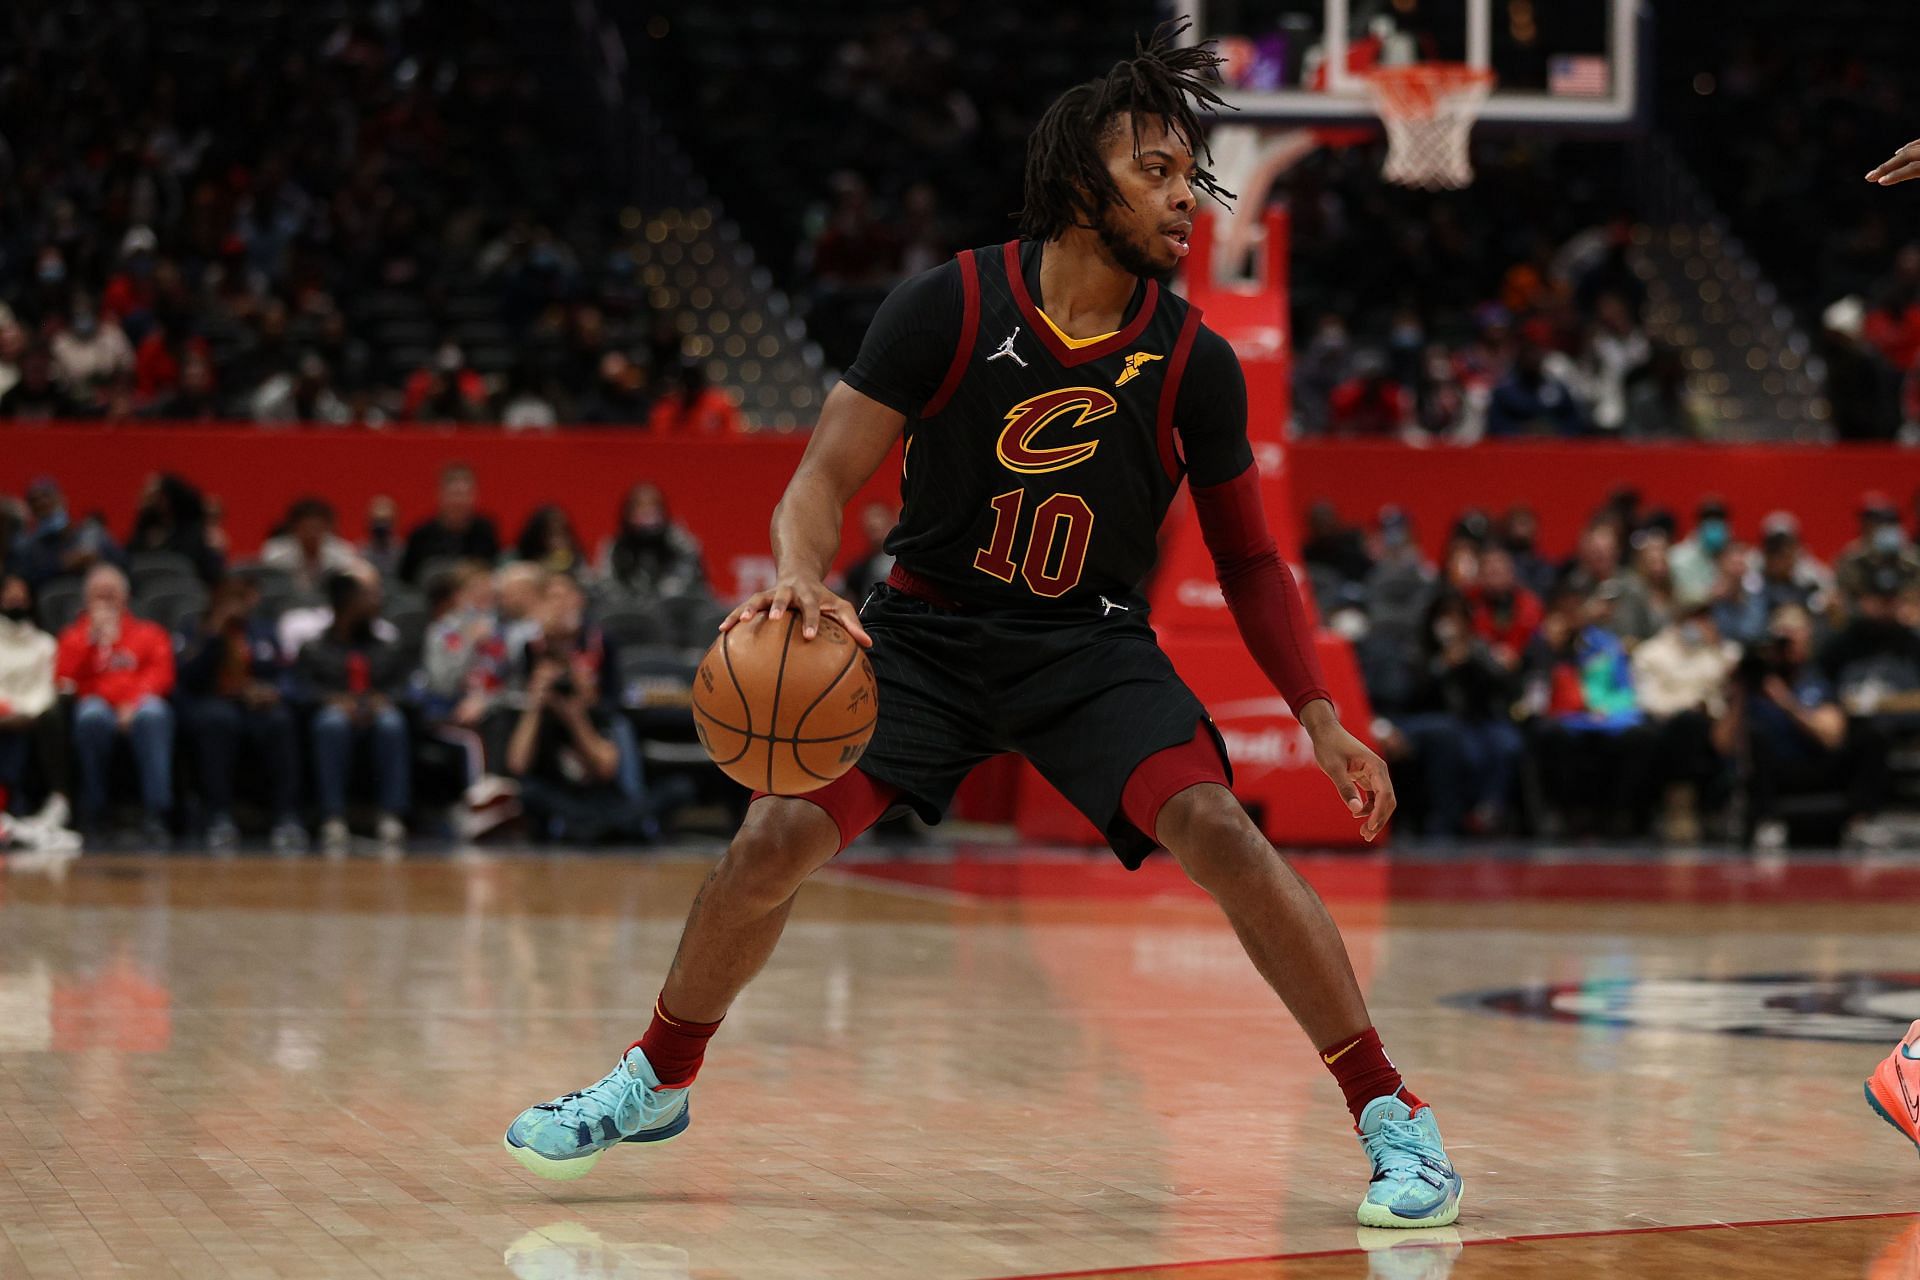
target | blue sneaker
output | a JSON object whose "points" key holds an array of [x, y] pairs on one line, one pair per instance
{"points": [[1414, 1184], [561, 1140]]}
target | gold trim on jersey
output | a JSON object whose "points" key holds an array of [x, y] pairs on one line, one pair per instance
{"points": [[1075, 343]]}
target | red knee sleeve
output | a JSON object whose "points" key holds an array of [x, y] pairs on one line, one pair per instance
{"points": [[854, 800], [1165, 774]]}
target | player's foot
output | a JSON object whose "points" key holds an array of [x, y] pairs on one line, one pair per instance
{"points": [[1414, 1184], [564, 1138], [1893, 1090]]}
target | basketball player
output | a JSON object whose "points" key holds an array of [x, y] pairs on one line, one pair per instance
{"points": [[1893, 1090], [1053, 394]]}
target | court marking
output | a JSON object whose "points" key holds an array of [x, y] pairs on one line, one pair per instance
{"points": [[1488, 1240]]}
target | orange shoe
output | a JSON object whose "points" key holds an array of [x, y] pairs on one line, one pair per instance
{"points": [[1893, 1090]]}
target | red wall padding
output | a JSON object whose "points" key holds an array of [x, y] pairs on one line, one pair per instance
{"points": [[1565, 482], [723, 489]]}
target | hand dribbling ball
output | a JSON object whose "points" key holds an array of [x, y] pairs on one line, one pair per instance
{"points": [[781, 713]]}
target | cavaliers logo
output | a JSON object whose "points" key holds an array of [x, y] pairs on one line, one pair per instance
{"points": [[1135, 361], [1080, 406]]}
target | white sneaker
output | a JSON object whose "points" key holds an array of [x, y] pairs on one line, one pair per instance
{"points": [[1770, 835], [391, 834], [55, 814], [335, 840]]}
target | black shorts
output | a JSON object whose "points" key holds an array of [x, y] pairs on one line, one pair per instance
{"points": [[1084, 692]]}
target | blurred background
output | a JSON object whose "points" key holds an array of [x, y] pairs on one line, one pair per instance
{"points": [[415, 362]]}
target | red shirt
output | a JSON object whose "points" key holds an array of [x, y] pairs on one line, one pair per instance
{"points": [[1515, 630], [711, 413], [138, 663]]}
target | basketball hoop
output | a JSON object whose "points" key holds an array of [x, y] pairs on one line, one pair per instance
{"points": [[1429, 109]]}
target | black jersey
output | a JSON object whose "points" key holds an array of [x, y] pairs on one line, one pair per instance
{"points": [[1037, 469]]}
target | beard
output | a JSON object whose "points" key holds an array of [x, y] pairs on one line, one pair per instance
{"points": [[1130, 255]]}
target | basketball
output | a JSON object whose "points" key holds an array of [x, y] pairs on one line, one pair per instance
{"points": [[781, 713]]}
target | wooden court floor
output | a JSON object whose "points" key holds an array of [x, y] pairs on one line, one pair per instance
{"points": [[961, 1067]]}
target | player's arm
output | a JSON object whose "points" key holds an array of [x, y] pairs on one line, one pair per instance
{"points": [[1260, 589], [1899, 167], [903, 359], [852, 439]]}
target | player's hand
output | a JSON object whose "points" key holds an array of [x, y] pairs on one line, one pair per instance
{"points": [[1358, 774], [810, 598], [1899, 167]]}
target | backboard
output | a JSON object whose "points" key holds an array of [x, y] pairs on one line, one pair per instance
{"points": [[1557, 62]]}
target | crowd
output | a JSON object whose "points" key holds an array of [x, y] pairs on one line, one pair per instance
{"points": [[354, 219], [1784, 117], [1513, 308], [1664, 677], [150, 678]]}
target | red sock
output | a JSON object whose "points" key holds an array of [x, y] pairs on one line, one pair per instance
{"points": [[1362, 1070], [675, 1048]]}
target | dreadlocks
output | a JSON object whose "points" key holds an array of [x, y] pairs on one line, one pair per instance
{"points": [[1067, 180]]}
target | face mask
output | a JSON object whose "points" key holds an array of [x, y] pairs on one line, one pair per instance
{"points": [[20, 614], [1713, 535], [1692, 635], [84, 324], [1887, 539]]}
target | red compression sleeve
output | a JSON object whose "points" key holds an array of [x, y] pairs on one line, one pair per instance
{"points": [[1260, 590]]}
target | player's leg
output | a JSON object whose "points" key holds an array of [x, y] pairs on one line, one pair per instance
{"points": [[734, 924], [1297, 948], [1280, 920]]}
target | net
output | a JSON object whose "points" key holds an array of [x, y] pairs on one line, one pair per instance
{"points": [[1429, 109]]}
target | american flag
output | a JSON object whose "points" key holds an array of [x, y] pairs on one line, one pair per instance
{"points": [[1577, 75]]}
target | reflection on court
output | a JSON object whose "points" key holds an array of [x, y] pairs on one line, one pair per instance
{"points": [[972, 1067]]}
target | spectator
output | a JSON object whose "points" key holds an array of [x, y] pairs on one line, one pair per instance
{"points": [[306, 622], [32, 727], [465, 669], [1786, 574], [1617, 354], [1504, 614], [129, 296], [548, 540], [530, 404], [871, 569], [195, 399], [619, 393], [445, 391], [1680, 677], [693, 408], [1882, 545], [353, 676], [854, 247], [457, 530], [172, 516], [53, 544], [158, 365], [1338, 548], [1531, 402], [38, 396], [92, 360], [566, 637], [121, 669], [1324, 365], [1589, 736], [232, 693], [1874, 657], [573, 752], [383, 548], [1519, 532], [304, 394], [1597, 562], [1862, 387], [1370, 404], [519, 588], [1646, 588], [1798, 740], [307, 547], [652, 556], [1694, 561], [13, 348], [1461, 728]]}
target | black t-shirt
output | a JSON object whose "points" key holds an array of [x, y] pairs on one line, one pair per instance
{"points": [[1037, 468]]}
